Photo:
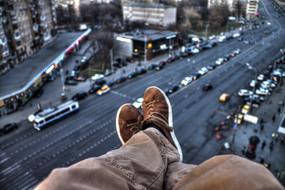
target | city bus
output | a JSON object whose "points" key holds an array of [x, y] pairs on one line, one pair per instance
{"points": [[46, 116]]}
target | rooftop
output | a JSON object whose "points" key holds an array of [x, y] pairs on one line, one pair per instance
{"points": [[151, 35], [17, 78], [147, 5]]}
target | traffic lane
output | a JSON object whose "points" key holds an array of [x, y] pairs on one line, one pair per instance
{"points": [[37, 146]]}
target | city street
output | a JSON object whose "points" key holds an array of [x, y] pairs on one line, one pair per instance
{"points": [[27, 156]]}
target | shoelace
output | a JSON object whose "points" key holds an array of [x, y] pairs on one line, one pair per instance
{"points": [[135, 127], [154, 116]]}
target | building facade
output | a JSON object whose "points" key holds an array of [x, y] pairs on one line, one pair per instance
{"points": [[252, 9], [28, 25], [149, 13], [230, 3]]}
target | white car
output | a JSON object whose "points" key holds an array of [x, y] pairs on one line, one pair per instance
{"points": [[194, 50], [222, 38], [237, 51], [203, 71], [138, 103], [260, 77], [186, 81], [268, 83], [97, 77], [236, 35], [262, 91], [253, 83], [245, 92], [220, 61]]}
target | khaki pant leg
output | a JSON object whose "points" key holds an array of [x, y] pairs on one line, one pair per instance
{"points": [[140, 164]]}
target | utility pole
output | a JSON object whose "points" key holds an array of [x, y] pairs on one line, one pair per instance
{"points": [[206, 30], [145, 50], [111, 59]]}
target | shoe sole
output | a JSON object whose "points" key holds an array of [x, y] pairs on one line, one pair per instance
{"points": [[117, 123], [170, 122]]}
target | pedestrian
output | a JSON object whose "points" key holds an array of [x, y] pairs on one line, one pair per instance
{"points": [[261, 161], [271, 146], [273, 118], [263, 145], [261, 127], [151, 158], [261, 121], [279, 110]]}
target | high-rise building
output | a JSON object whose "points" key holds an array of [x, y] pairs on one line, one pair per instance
{"points": [[28, 25], [149, 13], [252, 9]]}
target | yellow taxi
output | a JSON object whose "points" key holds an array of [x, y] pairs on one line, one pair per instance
{"points": [[103, 90], [224, 98]]}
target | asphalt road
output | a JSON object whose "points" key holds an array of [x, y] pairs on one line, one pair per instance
{"points": [[28, 156]]}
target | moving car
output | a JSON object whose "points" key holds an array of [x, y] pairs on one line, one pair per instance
{"points": [[225, 97], [8, 128], [103, 90], [207, 87]]}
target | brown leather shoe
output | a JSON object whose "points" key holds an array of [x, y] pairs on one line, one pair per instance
{"points": [[128, 122], [157, 110]]}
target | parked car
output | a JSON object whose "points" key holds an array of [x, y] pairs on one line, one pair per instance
{"points": [[79, 96], [207, 87], [138, 103], [253, 83], [172, 89], [260, 77], [244, 92], [210, 67], [121, 79], [70, 82], [171, 59], [94, 89], [141, 71], [186, 81], [80, 79], [132, 75], [203, 71], [8, 128], [103, 90], [97, 77], [220, 61], [262, 91]]}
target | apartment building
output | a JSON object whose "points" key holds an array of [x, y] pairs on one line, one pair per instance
{"points": [[4, 48], [27, 25], [252, 9], [149, 13]]}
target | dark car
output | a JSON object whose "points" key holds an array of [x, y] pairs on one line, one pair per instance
{"points": [[70, 82], [172, 89], [151, 67], [100, 82], [207, 87], [121, 79], [171, 59], [94, 89], [79, 96], [8, 128], [210, 67], [132, 75], [196, 76], [141, 71]]}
